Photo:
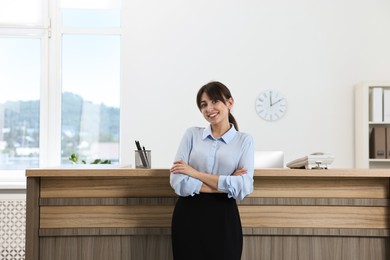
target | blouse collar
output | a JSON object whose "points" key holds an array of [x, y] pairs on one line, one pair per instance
{"points": [[226, 137]]}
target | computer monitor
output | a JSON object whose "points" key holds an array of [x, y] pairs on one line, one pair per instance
{"points": [[269, 159]]}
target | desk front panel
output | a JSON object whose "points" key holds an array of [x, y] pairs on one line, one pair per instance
{"points": [[305, 217], [84, 202]]}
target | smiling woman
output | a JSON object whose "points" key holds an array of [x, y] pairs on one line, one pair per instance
{"points": [[213, 168]]}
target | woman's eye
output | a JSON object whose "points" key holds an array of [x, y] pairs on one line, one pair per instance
{"points": [[203, 105]]}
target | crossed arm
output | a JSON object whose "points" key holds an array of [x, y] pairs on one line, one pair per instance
{"points": [[209, 181]]}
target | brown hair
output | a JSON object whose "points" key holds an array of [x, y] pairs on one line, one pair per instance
{"points": [[216, 91]]}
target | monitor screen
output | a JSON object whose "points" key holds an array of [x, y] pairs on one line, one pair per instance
{"points": [[269, 159]]}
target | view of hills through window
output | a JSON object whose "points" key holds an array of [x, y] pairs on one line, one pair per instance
{"points": [[19, 140]]}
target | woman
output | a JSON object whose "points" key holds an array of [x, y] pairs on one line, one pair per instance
{"points": [[213, 167]]}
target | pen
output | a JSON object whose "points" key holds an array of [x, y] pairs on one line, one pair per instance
{"points": [[146, 157], [141, 154]]}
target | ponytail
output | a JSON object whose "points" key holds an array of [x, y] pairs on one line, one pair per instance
{"points": [[233, 121]]}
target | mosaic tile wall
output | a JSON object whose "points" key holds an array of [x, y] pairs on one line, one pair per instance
{"points": [[12, 229]]}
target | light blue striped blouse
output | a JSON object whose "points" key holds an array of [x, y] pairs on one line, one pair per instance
{"points": [[220, 156]]}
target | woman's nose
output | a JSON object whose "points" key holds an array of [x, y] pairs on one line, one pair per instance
{"points": [[210, 107]]}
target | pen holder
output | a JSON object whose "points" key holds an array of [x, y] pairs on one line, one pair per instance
{"points": [[143, 159]]}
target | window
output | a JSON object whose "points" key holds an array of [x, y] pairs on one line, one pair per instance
{"points": [[19, 114], [90, 79], [61, 69], [91, 14], [22, 13], [90, 97], [22, 43]]}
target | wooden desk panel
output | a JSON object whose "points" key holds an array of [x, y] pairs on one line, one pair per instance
{"points": [[298, 187], [106, 187], [251, 216], [320, 187]]}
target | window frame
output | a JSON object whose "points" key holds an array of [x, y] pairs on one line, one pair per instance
{"points": [[15, 179], [59, 32], [50, 33]]}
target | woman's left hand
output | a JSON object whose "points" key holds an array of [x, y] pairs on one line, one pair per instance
{"points": [[184, 168], [239, 172]]}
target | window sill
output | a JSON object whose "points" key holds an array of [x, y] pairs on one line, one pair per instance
{"points": [[12, 180], [13, 185]]}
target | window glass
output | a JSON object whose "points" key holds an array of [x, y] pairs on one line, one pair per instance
{"points": [[20, 67], [91, 14], [21, 12], [90, 97], [91, 4]]}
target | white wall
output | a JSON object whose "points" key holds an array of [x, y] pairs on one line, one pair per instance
{"points": [[314, 51]]}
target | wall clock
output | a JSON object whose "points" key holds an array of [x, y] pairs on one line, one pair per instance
{"points": [[271, 105]]}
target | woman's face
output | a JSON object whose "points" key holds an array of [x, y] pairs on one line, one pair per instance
{"points": [[215, 111]]}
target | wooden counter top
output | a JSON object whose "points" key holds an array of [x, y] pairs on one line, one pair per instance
{"points": [[131, 172]]}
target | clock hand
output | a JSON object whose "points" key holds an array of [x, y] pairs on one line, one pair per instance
{"points": [[270, 98], [277, 101]]}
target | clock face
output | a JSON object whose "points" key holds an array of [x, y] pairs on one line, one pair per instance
{"points": [[271, 105]]}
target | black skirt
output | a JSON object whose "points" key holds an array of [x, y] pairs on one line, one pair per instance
{"points": [[206, 226]]}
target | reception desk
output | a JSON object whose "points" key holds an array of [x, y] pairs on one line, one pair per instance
{"points": [[106, 213]]}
